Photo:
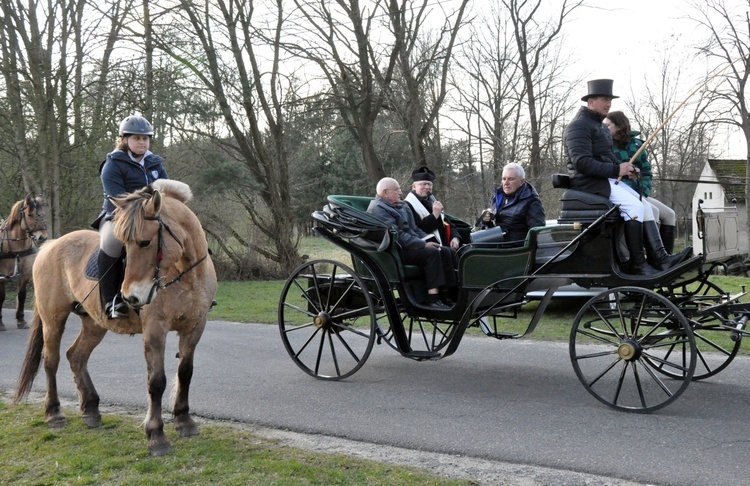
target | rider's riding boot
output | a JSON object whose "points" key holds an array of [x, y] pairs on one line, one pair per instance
{"points": [[110, 279], [658, 256], [667, 233], [634, 241]]}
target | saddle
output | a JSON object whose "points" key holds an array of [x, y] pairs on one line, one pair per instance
{"points": [[92, 266]]}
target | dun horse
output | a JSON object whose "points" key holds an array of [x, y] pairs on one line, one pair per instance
{"points": [[19, 236], [169, 285]]}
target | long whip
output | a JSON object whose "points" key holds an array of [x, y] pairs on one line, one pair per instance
{"points": [[679, 107]]}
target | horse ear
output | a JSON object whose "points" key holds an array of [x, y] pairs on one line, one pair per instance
{"points": [[153, 206], [30, 199]]}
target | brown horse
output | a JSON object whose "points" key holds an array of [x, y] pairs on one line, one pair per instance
{"points": [[19, 236], [169, 284]]}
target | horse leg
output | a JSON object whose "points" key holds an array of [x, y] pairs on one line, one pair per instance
{"points": [[183, 422], [78, 355], [153, 344], [2, 300], [53, 331], [20, 303]]}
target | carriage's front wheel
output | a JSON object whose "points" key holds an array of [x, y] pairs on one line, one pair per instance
{"points": [[327, 319], [621, 342]]}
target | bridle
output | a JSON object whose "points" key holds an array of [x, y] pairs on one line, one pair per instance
{"points": [[38, 219], [29, 234], [158, 280]]}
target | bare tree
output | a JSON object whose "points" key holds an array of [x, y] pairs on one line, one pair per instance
{"points": [[423, 72], [728, 43], [224, 59], [489, 93], [533, 40], [679, 150]]}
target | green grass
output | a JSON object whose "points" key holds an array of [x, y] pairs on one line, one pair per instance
{"points": [[116, 453]]}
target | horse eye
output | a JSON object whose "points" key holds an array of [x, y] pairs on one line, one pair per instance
{"points": [[144, 244]]}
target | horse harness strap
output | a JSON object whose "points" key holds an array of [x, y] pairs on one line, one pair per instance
{"points": [[17, 254], [160, 255]]}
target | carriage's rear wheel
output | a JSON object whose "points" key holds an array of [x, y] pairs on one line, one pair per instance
{"points": [[717, 344], [623, 340], [327, 319]]}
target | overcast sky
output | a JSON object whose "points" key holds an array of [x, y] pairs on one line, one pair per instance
{"points": [[625, 40]]}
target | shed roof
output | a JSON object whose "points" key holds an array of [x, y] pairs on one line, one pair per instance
{"points": [[732, 175]]}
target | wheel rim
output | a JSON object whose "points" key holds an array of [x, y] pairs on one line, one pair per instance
{"points": [[326, 319], [620, 343]]}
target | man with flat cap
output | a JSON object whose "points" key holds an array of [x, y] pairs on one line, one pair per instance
{"points": [[593, 167], [428, 211]]}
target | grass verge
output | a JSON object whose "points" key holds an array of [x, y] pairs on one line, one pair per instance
{"points": [[32, 453]]}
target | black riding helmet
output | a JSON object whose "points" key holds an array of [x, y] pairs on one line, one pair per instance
{"points": [[136, 125]]}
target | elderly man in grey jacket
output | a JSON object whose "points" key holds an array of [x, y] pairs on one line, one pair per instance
{"points": [[419, 248]]}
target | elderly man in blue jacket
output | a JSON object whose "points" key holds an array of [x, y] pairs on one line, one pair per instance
{"points": [[517, 205]]}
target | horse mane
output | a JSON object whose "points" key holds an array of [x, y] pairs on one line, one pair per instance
{"points": [[14, 217], [129, 219]]}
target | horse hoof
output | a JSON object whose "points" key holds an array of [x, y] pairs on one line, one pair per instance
{"points": [[2, 327], [160, 448], [92, 421], [22, 325], [187, 430], [57, 422]]}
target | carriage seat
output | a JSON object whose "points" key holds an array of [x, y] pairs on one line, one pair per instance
{"points": [[579, 206]]}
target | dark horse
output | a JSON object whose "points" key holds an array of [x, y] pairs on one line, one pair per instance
{"points": [[19, 236], [169, 285]]}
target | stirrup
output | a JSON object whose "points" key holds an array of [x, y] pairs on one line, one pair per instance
{"points": [[116, 309]]}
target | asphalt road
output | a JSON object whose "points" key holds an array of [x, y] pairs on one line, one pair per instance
{"points": [[512, 401]]}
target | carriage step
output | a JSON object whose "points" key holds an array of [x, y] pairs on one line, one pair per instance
{"points": [[422, 355], [503, 335]]}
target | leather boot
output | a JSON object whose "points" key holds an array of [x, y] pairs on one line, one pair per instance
{"points": [[657, 255], [634, 241], [667, 234], [110, 280]]}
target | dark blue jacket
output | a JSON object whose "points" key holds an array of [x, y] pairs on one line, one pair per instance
{"points": [[519, 213], [588, 148], [120, 175]]}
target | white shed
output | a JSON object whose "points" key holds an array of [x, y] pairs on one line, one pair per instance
{"points": [[721, 194]]}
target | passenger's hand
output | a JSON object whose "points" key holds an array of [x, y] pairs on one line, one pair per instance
{"points": [[437, 208], [433, 244], [454, 243]]}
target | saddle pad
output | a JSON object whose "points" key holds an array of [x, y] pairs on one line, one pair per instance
{"points": [[92, 267]]}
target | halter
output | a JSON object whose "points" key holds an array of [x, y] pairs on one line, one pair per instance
{"points": [[158, 285]]}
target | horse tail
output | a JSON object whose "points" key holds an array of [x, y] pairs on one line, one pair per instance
{"points": [[32, 359]]}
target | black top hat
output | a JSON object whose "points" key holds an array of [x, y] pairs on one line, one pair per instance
{"points": [[599, 87], [423, 174]]}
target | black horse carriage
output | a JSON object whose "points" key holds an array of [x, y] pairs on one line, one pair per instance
{"points": [[635, 346]]}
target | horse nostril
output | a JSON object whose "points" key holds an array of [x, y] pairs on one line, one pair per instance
{"points": [[132, 301]]}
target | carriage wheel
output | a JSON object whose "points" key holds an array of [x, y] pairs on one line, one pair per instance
{"points": [[621, 342], [327, 319], [717, 344]]}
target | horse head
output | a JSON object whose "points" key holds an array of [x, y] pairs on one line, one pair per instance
{"points": [[153, 224], [27, 215]]}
